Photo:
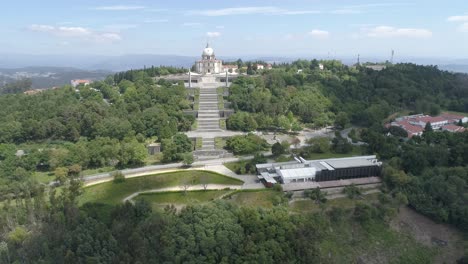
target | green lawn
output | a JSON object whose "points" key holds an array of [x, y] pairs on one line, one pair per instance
{"points": [[220, 142], [114, 193], [191, 197], [222, 123], [260, 198]]}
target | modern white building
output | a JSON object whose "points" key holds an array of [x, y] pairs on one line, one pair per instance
{"points": [[209, 64], [302, 170]]}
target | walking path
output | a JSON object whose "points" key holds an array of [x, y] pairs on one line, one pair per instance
{"points": [[209, 187]]}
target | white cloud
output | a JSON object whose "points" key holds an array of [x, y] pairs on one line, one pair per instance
{"points": [[76, 32], [458, 18], [213, 34], [251, 10], [390, 32], [191, 24], [319, 34], [346, 11], [119, 8], [303, 12]]}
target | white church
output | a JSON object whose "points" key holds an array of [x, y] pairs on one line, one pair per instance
{"points": [[208, 64]]}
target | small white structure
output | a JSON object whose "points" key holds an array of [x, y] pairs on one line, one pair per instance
{"points": [[209, 64], [321, 67], [75, 83], [260, 67]]}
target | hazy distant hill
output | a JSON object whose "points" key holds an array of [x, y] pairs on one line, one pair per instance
{"points": [[47, 77]]}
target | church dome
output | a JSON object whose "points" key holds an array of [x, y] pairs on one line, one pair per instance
{"points": [[208, 51]]}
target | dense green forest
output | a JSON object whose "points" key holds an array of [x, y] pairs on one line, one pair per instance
{"points": [[215, 233], [108, 124], [102, 124], [285, 99]]}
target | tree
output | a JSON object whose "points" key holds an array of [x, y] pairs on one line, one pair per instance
{"points": [[277, 149], [316, 195], [185, 184], [428, 127], [61, 175], [187, 159], [352, 191], [341, 120], [118, 177]]}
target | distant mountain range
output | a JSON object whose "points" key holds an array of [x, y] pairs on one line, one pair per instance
{"points": [[56, 70], [48, 77]]}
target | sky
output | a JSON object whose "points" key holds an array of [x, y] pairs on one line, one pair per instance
{"points": [[413, 28]]}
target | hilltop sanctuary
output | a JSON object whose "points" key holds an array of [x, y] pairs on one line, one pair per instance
{"points": [[208, 64]]}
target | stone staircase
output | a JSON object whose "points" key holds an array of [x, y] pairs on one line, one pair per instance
{"points": [[208, 112], [208, 121]]}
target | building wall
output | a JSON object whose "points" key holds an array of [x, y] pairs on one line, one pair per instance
{"points": [[348, 173]]}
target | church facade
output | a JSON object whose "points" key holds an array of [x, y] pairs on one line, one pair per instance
{"points": [[208, 64]]}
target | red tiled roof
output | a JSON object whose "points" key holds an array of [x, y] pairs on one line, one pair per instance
{"points": [[411, 129], [453, 117], [431, 119], [453, 128], [82, 81]]}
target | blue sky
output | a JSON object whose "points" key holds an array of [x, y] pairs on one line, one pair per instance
{"points": [[414, 28]]}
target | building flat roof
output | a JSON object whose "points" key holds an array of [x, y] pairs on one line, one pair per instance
{"points": [[350, 163], [297, 173]]}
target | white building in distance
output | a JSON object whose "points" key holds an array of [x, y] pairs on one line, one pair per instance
{"points": [[209, 64]]}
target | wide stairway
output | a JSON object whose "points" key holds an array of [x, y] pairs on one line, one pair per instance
{"points": [[208, 122], [208, 112]]}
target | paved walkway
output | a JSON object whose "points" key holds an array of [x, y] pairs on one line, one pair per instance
{"points": [[179, 189]]}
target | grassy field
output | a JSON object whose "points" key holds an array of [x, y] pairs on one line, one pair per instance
{"points": [[220, 143], [345, 203], [114, 193], [191, 197], [260, 198], [374, 242]]}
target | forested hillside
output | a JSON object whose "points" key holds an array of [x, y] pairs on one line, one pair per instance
{"points": [[302, 93], [109, 122], [104, 124]]}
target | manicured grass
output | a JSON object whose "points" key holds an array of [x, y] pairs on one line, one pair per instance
{"points": [[114, 193], [190, 197], [220, 103], [198, 143], [220, 143], [222, 123], [260, 198]]}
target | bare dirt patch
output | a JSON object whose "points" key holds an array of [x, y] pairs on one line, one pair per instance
{"points": [[448, 240]]}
